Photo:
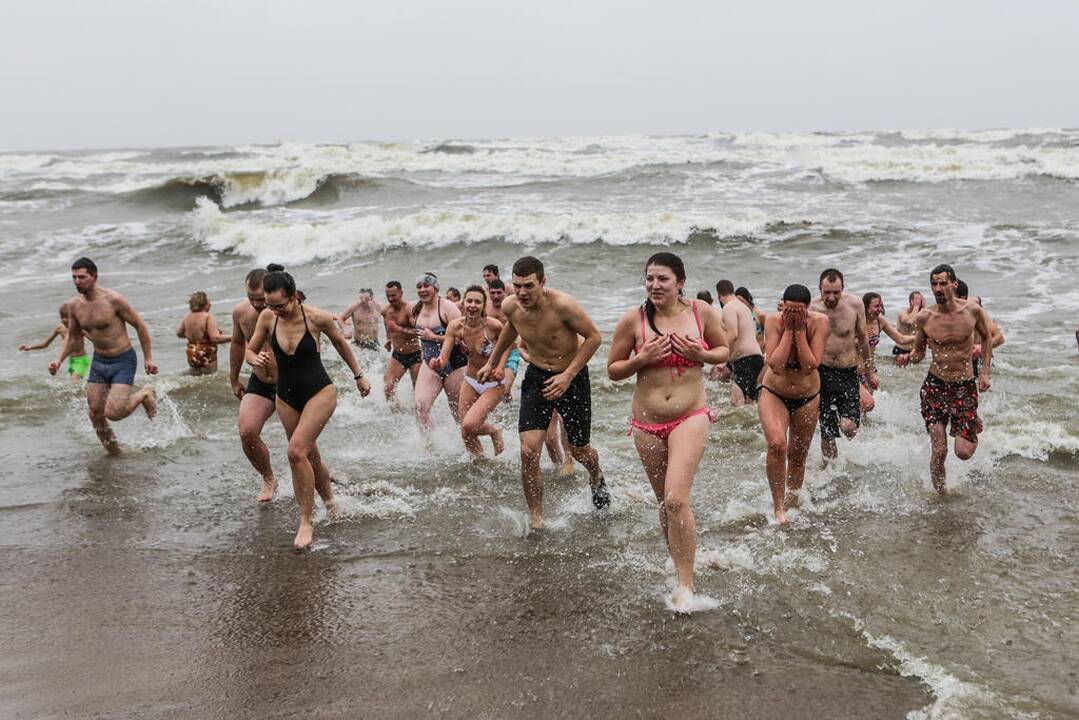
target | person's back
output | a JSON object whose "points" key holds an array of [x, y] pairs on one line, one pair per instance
{"points": [[737, 315]]}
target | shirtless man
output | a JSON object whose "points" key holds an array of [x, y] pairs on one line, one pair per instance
{"points": [[257, 399], [364, 314], [846, 351], [905, 324], [549, 321], [950, 394], [401, 340], [490, 272], [496, 293], [103, 315], [746, 359]]}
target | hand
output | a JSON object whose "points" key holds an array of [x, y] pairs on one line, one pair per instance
{"points": [[238, 389], [902, 360], [263, 360], [872, 380], [798, 318], [436, 363], [388, 346], [484, 372], [555, 387], [655, 349], [426, 334], [24, 348], [976, 352], [53, 367], [151, 367], [983, 380], [688, 347], [363, 386]]}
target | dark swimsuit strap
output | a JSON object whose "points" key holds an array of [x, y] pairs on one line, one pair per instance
{"points": [[306, 331]]}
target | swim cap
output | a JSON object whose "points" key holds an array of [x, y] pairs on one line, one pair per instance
{"points": [[427, 278], [797, 293]]}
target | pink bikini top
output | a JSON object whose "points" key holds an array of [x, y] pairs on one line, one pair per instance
{"points": [[674, 360]]}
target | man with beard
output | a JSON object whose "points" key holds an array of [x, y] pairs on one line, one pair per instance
{"points": [[401, 340], [258, 397], [846, 350], [103, 315], [949, 394]]}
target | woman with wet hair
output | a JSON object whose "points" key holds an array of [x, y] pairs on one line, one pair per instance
{"points": [[306, 397], [875, 324], [665, 342], [431, 317], [794, 345]]}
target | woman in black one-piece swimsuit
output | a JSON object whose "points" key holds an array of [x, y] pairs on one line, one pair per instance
{"points": [[306, 397]]}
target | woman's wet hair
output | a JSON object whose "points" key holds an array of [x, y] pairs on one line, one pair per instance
{"points": [[705, 296], [870, 297], [452, 291], [797, 293], [744, 293], [199, 300], [478, 289], [276, 280], [668, 260]]}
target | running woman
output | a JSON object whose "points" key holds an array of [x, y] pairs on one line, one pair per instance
{"points": [[306, 397], [673, 338], [431, 316]]}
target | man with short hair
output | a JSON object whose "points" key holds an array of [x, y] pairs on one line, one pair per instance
{"points": [[496, 293], [845, 352], [550, 323], [905, 324], [401, 341], [746, 361], [103, 316], [949, 394], [258, 397], [490, 272], [364, 316], [996, 336]]}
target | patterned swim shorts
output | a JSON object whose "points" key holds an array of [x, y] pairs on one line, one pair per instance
{"points": [[954, 402]]}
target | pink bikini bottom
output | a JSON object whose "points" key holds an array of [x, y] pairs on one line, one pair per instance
{"points": [[664, 429]]}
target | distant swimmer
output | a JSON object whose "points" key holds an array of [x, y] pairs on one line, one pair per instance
{"points": [[875, 325], [202, 334], [746, 360], [496, 293], [431, 316], [904, 325], [78, 362], [996, 337], [361, 320], [550, 322], [950, 394], [846, 353], [705, 297], [758, 315], [306, 397], [258, 397], [472, 334], [795, 341], [672, 339], [103, 315], [401, 341]]}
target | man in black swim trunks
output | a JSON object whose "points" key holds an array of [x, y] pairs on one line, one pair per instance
{"points": [[550, 323], [258, 396], [363, 315], [846, 351], [746, 358], [401, 340]]}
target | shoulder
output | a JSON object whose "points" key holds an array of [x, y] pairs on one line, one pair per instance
{"points": [[493, 323], [816, 318], [923, 316], [630, 317], [319, 316], [240, 309], [510, 305]]}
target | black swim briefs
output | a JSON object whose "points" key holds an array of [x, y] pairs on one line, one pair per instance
{"points": [[407, 360], [839, 398], [255, 386], [745, 372], [575, 406]]}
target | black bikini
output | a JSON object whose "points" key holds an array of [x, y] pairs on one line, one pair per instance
{"points": [[300, 375], [793, 404]]}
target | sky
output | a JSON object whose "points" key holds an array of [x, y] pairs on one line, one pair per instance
{"points": [[82, 74]]}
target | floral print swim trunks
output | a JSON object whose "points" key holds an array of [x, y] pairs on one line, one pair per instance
{"points": [[956, 403]]}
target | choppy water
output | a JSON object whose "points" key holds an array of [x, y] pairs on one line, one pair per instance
{"points": [[961, 608]]}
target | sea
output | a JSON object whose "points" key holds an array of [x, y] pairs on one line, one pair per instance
{"points": [[152, 585]]}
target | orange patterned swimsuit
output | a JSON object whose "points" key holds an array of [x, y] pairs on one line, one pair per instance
{"points": [[202, 354]]}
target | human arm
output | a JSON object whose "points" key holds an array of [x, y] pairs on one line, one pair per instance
{"points": [[917, 354], [621, 362], [890, 330], [74, 330], [493, 368], [236, 356], [861, 341], [981, 327], [345, 318], [253, 353], [127, 313], [714, 335], [214, 333], [327, 323], [58, 330], [812, 347], [575, 318], [181, 329], [777, 342]]}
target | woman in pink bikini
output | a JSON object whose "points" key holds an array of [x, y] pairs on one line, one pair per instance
{"points": [[673, 338]]}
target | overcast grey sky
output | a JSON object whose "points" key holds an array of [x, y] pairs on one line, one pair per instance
{"points": [[135, 73]]}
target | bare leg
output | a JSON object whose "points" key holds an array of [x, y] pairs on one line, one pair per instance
{"points": [[323, 484], [303, 430], [568, 468], [938, 451], [96, 396], [738, 398], [428, 386], [255, 410], [452, 386], [474, 410], [392, 375], [684, 449], [531, 446], [865, 399], [775, 420], [964, 449], [653, 453], [802, 424], [122, 401], [554, 450]]}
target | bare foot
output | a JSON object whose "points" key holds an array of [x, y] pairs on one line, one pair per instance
{"points": [[567, 468], [333, 510], [269, 489], [535, 521], [681, 598], [499, 443], [112, 447], [149, 403], [304, 536], [792, 499], [781, 517]]}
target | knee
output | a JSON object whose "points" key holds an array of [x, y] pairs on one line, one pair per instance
{"points": [[113, 413], [849, 428], [965, 452], [530, 455], [470, 428], [675, 505], [249, 435], [868, 403], [298, 452], [97, 415], [777, 446]]}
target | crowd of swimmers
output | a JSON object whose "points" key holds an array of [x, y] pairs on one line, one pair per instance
{"points": [[810, 363]]}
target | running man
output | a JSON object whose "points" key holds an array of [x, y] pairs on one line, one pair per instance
{"points": [[845, 354], [746, 361], [258, 397], [904, 325], [496, 293], [549, 321], [950, 394], [364, 316], [103, 316], [795, 344], [78, 362], [401, 341], [673, 339]]}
